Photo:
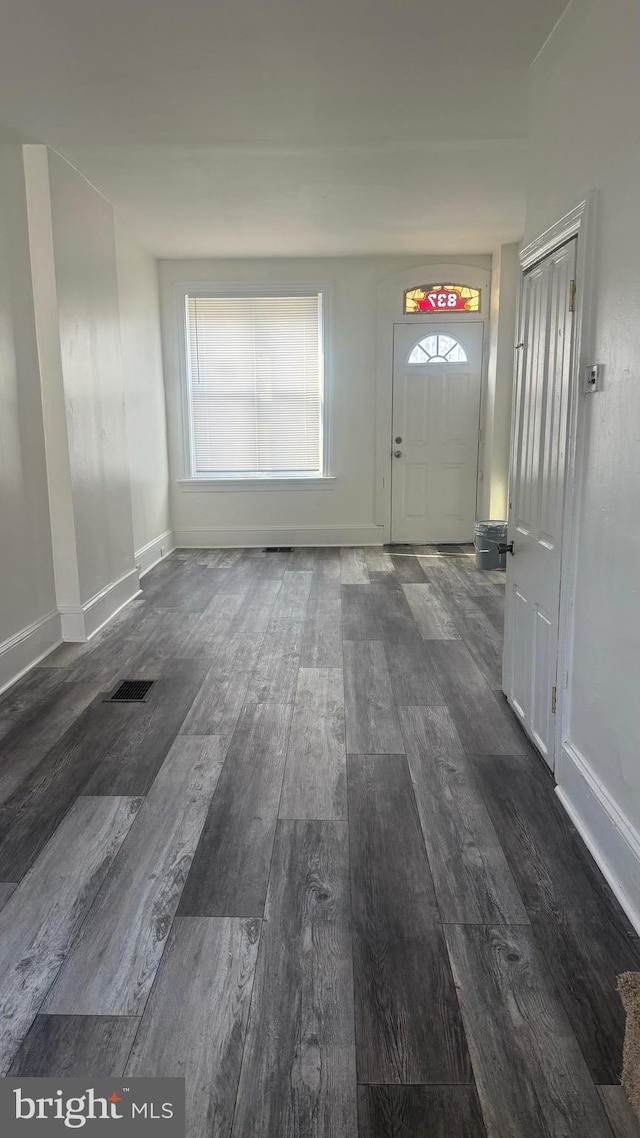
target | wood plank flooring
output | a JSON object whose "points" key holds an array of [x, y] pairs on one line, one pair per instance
{"points": [[315, 773], [39, 922], [230, 870], [300, 1040], [196, 1030], [419, 1112], [75, 1046], [408, 1023], [320, 873], [530, 1073], [112, 965], [474, 884], [624, 1121]]}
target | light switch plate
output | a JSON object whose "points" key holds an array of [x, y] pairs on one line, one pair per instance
{"points": [[592, 378]]}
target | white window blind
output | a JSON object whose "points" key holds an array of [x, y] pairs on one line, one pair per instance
{"points": [[255, 385]]}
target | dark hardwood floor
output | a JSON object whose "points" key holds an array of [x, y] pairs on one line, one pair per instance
{"points": [[320, 872]]}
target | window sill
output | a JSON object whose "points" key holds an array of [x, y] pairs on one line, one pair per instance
{"points": [[204, 485]]}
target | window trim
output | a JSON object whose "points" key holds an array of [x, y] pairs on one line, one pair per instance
{"points": [[288, 480], [284, 482]]}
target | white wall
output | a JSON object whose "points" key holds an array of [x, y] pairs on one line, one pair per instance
{"points": [[496, 415], [89, 321], [29, 622], [73, 259], [585, 135], [344, 513], [144, 397]]}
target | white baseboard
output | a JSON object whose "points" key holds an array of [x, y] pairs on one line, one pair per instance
{"points": [[278, 535], [28, 647], [608, 834], [153, 552], [80, 623]]}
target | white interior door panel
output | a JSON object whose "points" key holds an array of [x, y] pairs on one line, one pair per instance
{"points": [[536, 510]]}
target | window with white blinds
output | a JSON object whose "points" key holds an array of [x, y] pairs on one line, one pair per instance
{"points": [[255, 385]]}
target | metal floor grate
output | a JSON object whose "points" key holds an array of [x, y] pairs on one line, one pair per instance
{"points": [[131, 691], [278, 549]]}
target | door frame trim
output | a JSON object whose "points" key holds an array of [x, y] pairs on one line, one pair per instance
{"points": [[579, 222], [390, 296]]}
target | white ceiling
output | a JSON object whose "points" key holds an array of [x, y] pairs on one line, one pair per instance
{"points": [[284, 127]]}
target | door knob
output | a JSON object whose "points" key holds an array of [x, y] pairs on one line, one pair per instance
{"points": [[505, 548], [397, 453]]}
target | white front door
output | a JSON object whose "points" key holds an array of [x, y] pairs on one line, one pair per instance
{"points": [[437, 377], [536, 509]]}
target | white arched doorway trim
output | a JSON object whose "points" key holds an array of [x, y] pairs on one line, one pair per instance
{"points": [[390, 311]]}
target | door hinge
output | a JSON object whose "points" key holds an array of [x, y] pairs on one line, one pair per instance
{"points": [[554, 700], [572, 296]]}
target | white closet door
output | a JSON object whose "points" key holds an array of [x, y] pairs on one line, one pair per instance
{"points": [[538, 475]]}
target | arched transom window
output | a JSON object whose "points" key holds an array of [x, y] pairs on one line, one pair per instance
{"points": [[438, 349]]}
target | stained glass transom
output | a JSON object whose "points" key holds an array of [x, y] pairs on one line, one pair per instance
{"points": [[438, 349], [442, 298]]}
